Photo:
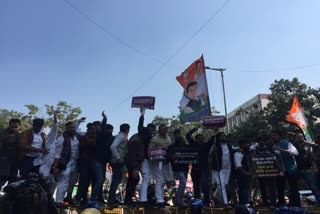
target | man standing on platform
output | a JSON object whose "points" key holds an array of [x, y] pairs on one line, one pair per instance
{"points": [[146, 171], [9, 141], [118, 160], [160, 142], [32, 144], [200, 172]]}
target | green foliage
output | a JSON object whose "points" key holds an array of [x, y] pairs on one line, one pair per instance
{"points": [[274, 115], [65, 112], [6, 116]]}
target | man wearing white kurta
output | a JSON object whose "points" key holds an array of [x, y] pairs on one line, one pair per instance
{"points": [[160, 167], [45, 161], [62, 171]]}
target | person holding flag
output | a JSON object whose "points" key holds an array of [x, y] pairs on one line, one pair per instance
{"points": [[305, 163], [296, 115]]}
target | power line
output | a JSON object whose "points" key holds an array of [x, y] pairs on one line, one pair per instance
{"points": [[129, 46], [177, 52], [275, 69], [112, 35]]}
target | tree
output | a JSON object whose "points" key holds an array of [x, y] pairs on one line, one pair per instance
{"points": [[7, 115], [65, 112], [274, 115]]}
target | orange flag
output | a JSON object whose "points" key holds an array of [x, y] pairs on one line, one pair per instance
{"points": [[296, 115]]}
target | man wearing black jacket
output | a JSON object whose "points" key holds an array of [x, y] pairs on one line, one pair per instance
{"points": [[135, 158], [145, 166], [200, 172], [180, 170], [221, 161], [102, 156]]}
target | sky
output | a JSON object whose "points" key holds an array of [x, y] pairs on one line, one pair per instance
{"points": [[97, 54]]}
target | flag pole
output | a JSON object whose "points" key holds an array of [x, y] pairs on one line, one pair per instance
{"points": [[224, 94]]}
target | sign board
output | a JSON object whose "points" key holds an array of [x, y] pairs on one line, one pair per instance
{"points": [[265, 166], [143, 102], [210, 122], [186, 156], [157, 154]]}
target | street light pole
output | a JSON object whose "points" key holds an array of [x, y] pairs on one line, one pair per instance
{"points": [[224, 94]]}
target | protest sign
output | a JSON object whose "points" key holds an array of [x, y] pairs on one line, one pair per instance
{"points": [[265, 166], [211, 122], [143, 102], [186, 156], [157, 154]]}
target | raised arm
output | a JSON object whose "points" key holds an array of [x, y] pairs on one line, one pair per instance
{"points": [[103, 124], [141, 120], [53, 132], [189, 136]]}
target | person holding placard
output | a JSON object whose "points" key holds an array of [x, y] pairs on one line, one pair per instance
{"points": [[180, 170], [157, 151], [146, 171]]}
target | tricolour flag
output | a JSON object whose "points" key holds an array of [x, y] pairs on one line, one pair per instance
{"points": [[296, 115], [194, 103]]}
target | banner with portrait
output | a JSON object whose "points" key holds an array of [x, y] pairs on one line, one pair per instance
{"points": [[194, 103]]}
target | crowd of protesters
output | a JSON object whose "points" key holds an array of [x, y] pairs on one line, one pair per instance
{"points": [[73, 157]]}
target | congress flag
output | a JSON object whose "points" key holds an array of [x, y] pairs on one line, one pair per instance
{"points": [[194, 103], [296, 115]]}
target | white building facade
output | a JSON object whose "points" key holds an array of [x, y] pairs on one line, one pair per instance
{"points": [[241, 113]]}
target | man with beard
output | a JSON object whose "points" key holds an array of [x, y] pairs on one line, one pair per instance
{"points": [[32, 144], [65, 162], [160, 166]]}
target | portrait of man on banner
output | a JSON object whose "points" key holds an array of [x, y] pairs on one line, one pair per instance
{"points": [[194, 103]]}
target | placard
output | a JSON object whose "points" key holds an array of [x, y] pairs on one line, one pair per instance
{"points": [[157, 154], [265, 166], [217, 121], [143, 102], [186, 156]]}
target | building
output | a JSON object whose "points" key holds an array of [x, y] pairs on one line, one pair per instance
{"points": [[241, 113]]}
